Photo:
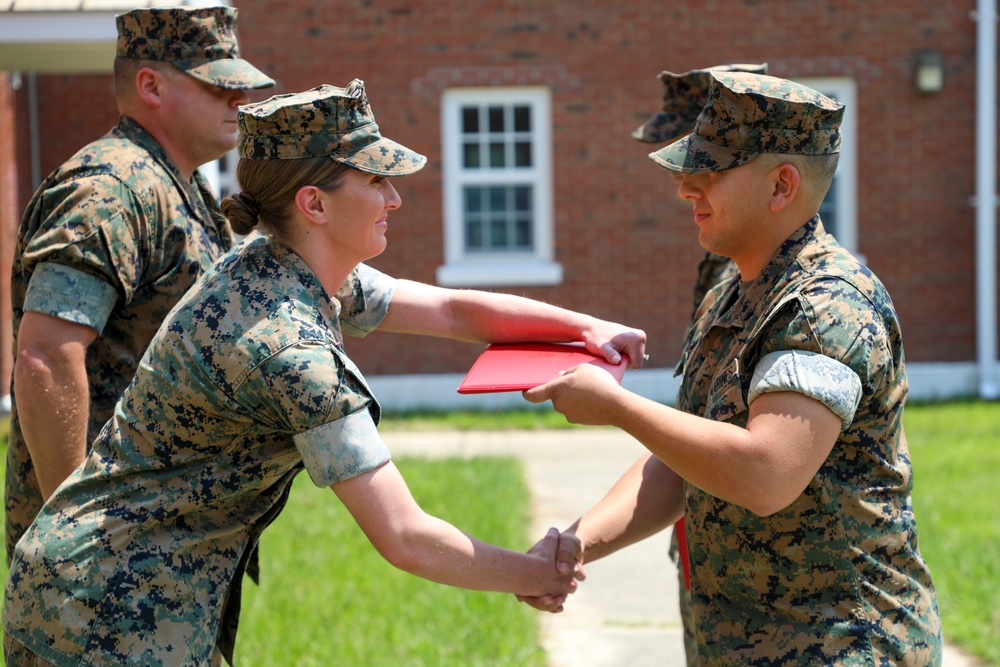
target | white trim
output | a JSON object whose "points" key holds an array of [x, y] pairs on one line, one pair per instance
{"points": [[928, 381], [461, 269], [500, 273], [844, 90], [986, 199]]}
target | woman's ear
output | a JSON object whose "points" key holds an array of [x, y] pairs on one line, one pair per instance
{"points": [[785, 184], [309, 201]]}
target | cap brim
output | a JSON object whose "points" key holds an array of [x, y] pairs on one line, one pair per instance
{"points": [[661, 128], [692, 155], [385, 158], [228, 73]]}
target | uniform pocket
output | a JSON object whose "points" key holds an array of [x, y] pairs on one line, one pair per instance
{"points": [[726, 398]]}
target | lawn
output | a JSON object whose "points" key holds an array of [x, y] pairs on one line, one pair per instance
{"points": [[326, 597], [955, 449]]}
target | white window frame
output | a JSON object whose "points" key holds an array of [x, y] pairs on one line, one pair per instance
{"points": [[499, 269], [844, 90]]}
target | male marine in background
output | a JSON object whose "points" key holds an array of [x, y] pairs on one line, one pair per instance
{"points": [[113, 238], [786, 454], [684, 96]]}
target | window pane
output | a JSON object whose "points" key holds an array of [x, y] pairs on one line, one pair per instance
{"points": [[522, 154], [496, 119], [498, 198], [522, 119], [497, 158], [522, 234], [498, 233], [473, 200], [522, 198], [470, 156], [473, 235], [470, 120]]}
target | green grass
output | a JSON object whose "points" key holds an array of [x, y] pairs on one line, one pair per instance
{"points": [[955, 449], [472, 420], [327, 597]]}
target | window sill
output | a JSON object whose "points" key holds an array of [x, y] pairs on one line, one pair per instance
{"points": [[499, 273]]}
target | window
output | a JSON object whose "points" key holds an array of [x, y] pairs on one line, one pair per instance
{"points": [[227, 173], [839, 208], [221, 174], [497, 188]]}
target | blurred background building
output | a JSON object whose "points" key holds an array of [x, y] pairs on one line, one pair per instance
{"points": [[525, 108]]}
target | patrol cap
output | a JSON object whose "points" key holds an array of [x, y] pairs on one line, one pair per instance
{"points": [[749, 114], [325, 120], [683, 97], [198, 40]]}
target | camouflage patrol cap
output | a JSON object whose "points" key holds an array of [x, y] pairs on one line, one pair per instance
{"points": [[200, 41], [324, 121], [684, 95], [750, 114]]}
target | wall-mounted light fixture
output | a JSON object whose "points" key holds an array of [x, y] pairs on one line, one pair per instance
{"points": [[929, 74]]}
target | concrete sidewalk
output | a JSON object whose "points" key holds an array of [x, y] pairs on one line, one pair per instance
{"points": [[626, 613]]}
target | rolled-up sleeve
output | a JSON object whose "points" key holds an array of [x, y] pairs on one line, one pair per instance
{"points": [[822, 378], [70, 294], [364, 300], [342, 449]]}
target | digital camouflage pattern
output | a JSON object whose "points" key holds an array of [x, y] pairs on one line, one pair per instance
{"points": [[323, 121], [750, 114], [812, 374], [120, 236], [138, 554], [712, 270], [198, 40], [684, 95], [836, 578]]}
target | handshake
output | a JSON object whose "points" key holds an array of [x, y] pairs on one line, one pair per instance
{"points": [[564, 553]]}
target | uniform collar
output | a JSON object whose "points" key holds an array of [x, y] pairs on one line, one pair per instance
{"points": [[753, 293], [329, 307], [189, 189]]}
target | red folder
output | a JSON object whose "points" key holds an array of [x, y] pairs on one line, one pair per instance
{"points": [[520, 366]]}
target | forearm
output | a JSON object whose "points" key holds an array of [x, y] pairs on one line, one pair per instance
{"points": [[53, 412], [426, 546], [487, 317], [644, 501], [437, 551], [480, 316]]}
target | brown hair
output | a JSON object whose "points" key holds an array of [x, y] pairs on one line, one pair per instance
{"points": [[125, 70], [816, 170], [268, 190]]}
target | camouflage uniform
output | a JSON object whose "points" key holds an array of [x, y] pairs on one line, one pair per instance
{"points": [[111, 240], [835, 578], [246, 384], [138, 557], [116, 235]]}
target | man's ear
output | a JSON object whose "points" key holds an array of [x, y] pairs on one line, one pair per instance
{"points": [[309, 201], [785, 184], [148, 84]]}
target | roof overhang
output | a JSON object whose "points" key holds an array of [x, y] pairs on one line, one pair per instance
{"points": [[65, 36]]}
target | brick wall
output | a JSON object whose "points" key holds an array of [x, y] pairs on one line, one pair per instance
{"points": [[628, 246]]}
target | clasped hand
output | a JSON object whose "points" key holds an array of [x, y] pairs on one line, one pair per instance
{"points": [[566, 554]]}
